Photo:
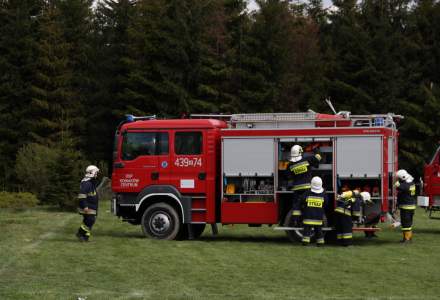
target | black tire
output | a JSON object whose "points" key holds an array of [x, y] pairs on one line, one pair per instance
{"points": [[161, 221]]}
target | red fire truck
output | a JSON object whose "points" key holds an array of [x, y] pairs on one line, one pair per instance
{"points": [[174, 176], [431, 185]]}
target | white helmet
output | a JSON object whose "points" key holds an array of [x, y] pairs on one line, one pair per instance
{"points": [[404, 175], [366, 197], [296, 153], [316, 185], [92, 171]]}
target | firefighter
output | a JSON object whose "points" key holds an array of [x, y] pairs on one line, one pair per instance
{"points": [[406, 192], [88, 203], [348, 206], [300, 168], [313, 205]]}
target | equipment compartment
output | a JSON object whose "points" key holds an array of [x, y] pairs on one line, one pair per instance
{"points": [[248, 189]]}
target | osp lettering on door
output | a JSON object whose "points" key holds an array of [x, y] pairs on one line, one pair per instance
{"points": [[188, 162], [129, 181]]}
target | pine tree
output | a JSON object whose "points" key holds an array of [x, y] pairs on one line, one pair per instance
{"points": [[111, 45], [76, 24], [349, 61], [64, 173], [209, 90], [245, 82], [285, 45], [18, 22], [52, 98], [160, 59], [421, 104]]}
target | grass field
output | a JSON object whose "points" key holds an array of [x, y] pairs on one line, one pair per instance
{"points": [[40, 258]]}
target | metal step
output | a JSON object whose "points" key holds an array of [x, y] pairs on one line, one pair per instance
{"points": [[330, 228], [198, 209], [301, 228]]}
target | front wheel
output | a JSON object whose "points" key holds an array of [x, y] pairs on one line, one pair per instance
{"points": [[161, 221]]}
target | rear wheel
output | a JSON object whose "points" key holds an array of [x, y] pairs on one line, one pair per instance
{"points": [[161, 221]]}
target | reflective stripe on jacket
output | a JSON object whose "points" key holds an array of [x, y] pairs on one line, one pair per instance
{"points": [[406, 195], [301, 171]]}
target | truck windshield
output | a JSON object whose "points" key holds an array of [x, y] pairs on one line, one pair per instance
{"points": [[135, 144]]}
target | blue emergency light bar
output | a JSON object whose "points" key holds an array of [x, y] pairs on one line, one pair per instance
{"points": [[131, 118]]}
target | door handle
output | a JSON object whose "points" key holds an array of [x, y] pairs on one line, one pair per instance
{"points": [[202, 176], [154, 175], [118, 165]]}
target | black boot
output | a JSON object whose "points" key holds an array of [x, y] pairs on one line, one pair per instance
{"points": [[81, 235]]}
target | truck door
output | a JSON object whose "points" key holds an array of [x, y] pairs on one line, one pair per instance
{"points": [[143, 161], [432, 180], [188, 167]]}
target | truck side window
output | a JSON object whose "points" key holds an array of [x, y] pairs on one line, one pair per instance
{"points": [[188, 143], [135, 144]]}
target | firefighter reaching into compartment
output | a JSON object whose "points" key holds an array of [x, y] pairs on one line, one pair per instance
{"points": [[313, 204], [406, 201], [300, 168], [348, 208], [88, 203]]}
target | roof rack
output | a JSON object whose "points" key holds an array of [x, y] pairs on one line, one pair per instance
{"points": [[210, 116], [307, 119], [312, 119], [272, 117]]}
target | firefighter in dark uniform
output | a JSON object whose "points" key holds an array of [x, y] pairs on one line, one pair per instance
{"points": [[406, 201], [300, 168], [313, 205], [88, 203], [348, 208]]}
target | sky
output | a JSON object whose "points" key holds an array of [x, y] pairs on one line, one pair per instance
{"points": [[253, 6]]}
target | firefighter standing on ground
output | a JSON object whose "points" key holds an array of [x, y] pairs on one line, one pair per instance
{"points": [[300, 168], [88, 203], [406, 192], [348, 207], [313, 205]]}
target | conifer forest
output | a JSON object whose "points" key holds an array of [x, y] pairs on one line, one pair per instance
{"points": [[71, 69]]}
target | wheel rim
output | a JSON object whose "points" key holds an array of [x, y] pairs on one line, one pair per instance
{"points": [[160, 222]]}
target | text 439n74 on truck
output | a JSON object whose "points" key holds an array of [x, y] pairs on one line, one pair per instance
{"points": [[174, 176]]}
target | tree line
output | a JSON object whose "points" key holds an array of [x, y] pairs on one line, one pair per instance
{"points": [[71, 69]]}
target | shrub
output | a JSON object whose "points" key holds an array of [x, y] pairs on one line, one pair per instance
{"points": [[17, 200], [65, 176], [33, 168], [52, 173]]}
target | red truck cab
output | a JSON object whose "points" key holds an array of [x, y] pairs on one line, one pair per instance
{"points": [[431, 181], [164, 174]]}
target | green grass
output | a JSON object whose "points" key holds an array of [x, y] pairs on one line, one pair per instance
{"points": [[41, 259]]}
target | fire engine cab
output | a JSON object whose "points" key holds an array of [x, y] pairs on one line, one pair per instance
{"points": [[431, 184], [174, 176]]}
